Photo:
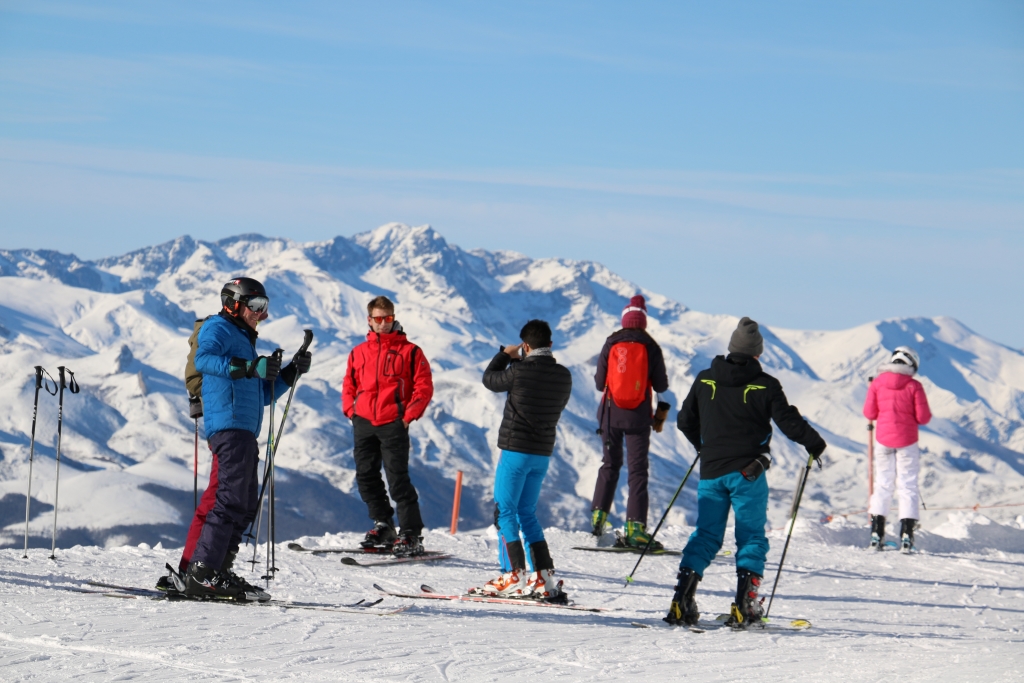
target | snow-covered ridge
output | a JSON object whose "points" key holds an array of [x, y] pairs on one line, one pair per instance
{"points": [[121, 323]]}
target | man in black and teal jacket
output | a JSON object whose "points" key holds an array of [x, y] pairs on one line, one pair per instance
{"points": [[727, 417]]}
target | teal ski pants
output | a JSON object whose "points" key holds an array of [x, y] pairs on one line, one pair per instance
{"points": [[749, 501]]}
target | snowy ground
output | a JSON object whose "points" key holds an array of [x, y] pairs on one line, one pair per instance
{"points": [[954, 612]]}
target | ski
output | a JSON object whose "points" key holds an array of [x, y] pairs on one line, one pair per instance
{"points": [[720, 623], [637, 551], [428, 593], [622, 549], [398, 559], [360, 607], [353, 551]]}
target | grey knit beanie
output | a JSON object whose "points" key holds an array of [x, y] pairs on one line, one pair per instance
{"points": [[747, 338]]}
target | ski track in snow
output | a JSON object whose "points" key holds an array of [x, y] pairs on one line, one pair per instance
{"points": [[876, 617]]}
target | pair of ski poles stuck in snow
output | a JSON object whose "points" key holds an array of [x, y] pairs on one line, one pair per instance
{"points": [[792, 522], [65, 382]]}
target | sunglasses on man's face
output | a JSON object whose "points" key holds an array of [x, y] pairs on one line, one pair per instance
{"points": [[380, 319]]}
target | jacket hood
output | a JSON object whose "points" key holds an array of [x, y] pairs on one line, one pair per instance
{"points": [[894, 379], [729, 373], [898, 368]]}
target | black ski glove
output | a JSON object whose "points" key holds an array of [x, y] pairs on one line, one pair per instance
{"points": [[299, 366], [816, 451]]}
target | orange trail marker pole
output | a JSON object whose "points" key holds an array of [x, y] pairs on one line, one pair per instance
{"points": [[455, 503]]}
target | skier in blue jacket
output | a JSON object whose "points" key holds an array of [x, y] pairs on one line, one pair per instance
{"points": [[237, 385]]}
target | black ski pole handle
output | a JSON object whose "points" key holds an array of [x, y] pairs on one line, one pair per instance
{"points": [[307, 339], [71, 385], [47, 381]]}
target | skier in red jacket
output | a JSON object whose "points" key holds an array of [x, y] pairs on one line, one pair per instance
{"points": [[387, 386]]}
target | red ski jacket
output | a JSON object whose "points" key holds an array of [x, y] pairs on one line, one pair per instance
{"points": [[387, 379]]}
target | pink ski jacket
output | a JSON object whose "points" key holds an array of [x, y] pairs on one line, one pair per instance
{"points": [[897, 401]]}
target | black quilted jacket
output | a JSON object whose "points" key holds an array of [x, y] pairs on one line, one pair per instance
{"points": [[538, 390]]}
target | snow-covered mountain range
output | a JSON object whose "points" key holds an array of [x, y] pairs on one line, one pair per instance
{"points": [[121, 324]]}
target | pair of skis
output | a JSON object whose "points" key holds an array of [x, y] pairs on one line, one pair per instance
{"points": [[388, 558], [428, 593], [121, 591], [721, 622]]}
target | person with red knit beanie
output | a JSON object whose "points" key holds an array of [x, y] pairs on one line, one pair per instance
{"points": [[629, 367]]}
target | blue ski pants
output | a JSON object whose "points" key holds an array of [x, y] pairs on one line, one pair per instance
{"points": [[749, 501], [517, 484]]}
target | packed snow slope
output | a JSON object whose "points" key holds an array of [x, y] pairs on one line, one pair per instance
{"points": [[121, 324], [954, 614]]}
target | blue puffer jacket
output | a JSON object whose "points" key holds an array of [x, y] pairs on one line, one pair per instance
{"points": [[230, 403]]}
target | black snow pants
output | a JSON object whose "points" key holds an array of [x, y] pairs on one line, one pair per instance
{"points": [[388, 445]]}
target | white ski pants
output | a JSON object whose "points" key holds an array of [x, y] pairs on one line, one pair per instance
{"points": [[896, 467]]}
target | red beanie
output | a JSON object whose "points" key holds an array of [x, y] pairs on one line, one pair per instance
{"points": [[634, 316]]}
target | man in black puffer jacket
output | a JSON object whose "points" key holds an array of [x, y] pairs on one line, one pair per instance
{"points": [[538, 390], [727, 417]]}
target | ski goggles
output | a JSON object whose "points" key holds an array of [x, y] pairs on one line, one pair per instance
{"points": [[380, 319], [257, 304]]}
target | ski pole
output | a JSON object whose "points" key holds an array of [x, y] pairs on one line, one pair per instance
{"points": [[32, 444], [195, 411], [629, 579], [72, 386], [195, 472], [792, 523], [266, 470], [270, 473], [307, 340]]}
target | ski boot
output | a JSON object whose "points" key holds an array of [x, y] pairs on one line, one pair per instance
{"points": [[381, 536], [907, 535], [636, 536], [408, 544], [683, 610], [598, 520], [509, 585], [542, 585], [207, 583], [746, 612], [253, 593], [877, 532]]}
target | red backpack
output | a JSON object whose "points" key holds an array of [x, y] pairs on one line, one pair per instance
{"points": [[627, 374]]}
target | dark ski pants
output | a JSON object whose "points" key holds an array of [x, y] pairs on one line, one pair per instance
{"points": [[199, 518], [638, 443], [388, 445], [235, 486], [749, 502]]}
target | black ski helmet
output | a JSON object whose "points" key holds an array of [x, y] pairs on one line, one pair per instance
{"points": [[239, 291]]}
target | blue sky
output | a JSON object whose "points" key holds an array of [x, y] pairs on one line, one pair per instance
{"points": [[812, 165]]}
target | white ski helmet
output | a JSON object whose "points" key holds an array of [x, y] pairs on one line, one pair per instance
{"points": [[906, 356]]}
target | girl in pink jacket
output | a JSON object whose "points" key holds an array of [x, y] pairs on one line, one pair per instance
{"points": [[897, 401]]}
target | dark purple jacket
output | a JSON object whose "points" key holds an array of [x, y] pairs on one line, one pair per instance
{"points": [[610, 415]]}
